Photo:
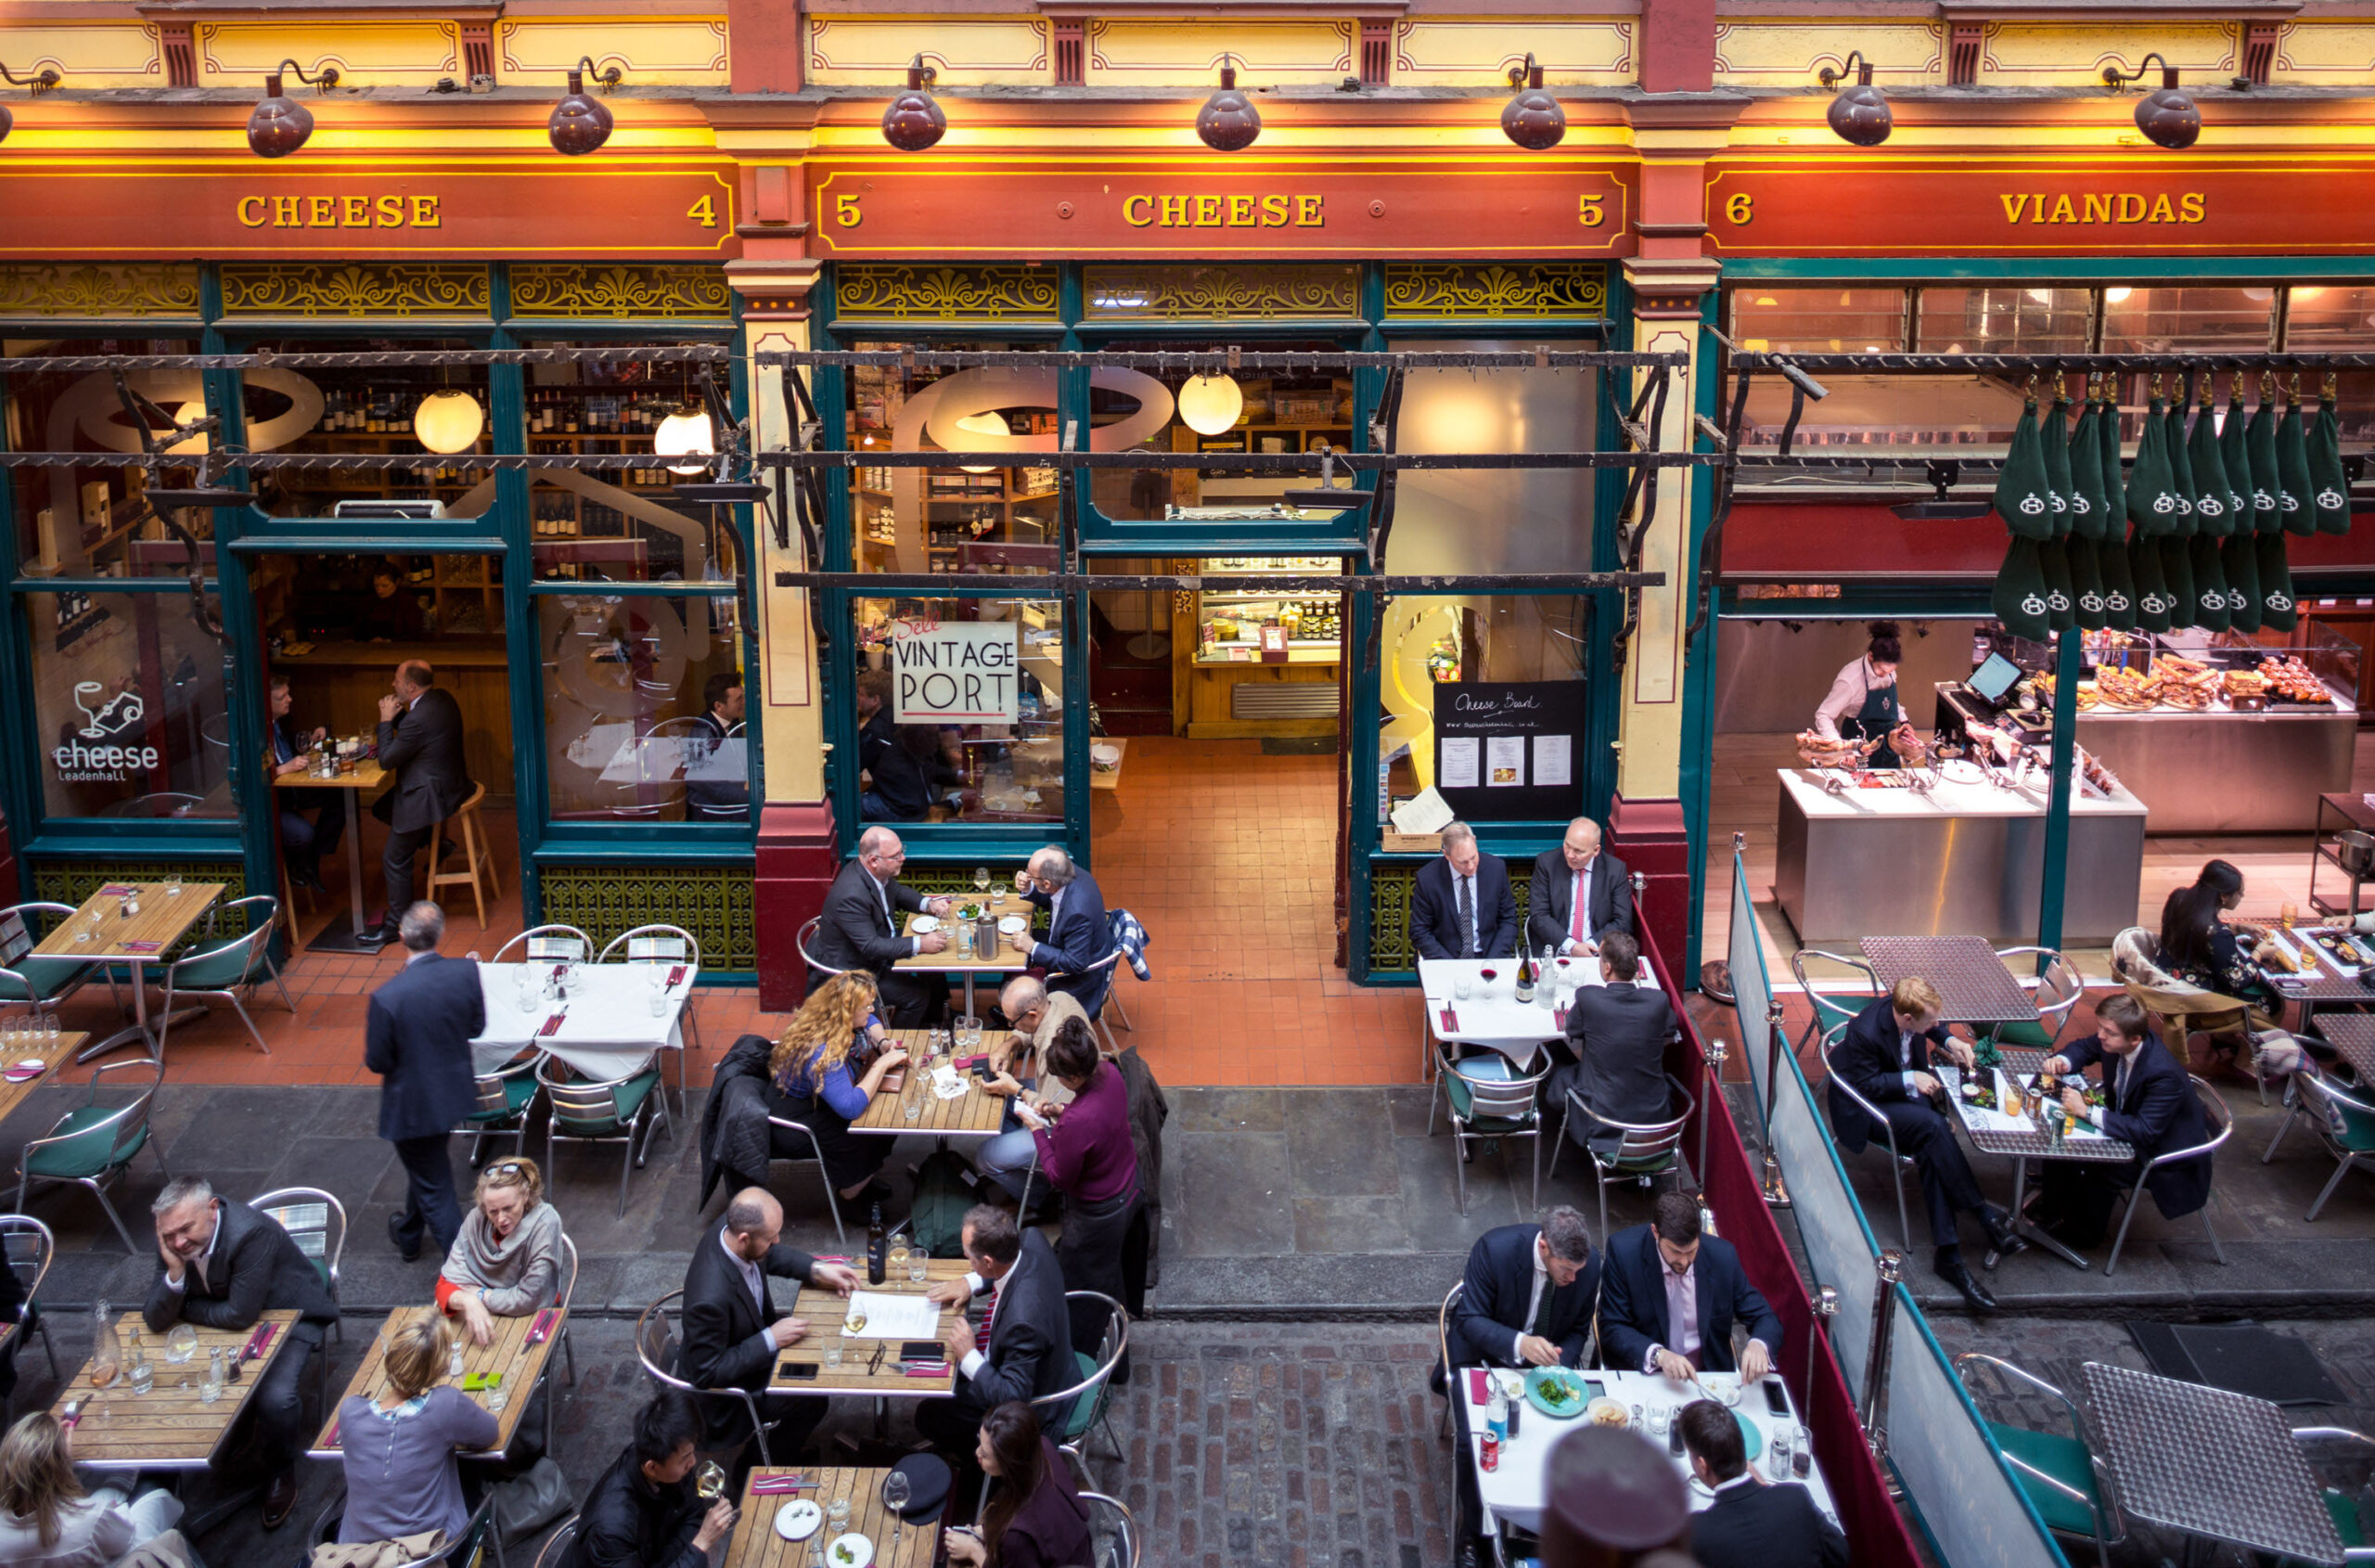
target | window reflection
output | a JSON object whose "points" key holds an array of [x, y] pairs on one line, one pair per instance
{"points": [[960, 709], [644, 709], [129, 708], [86, 520]]}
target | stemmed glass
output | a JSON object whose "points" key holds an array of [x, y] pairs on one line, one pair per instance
{"points": [[709, 1480], [894, 1497], [981, 879]]}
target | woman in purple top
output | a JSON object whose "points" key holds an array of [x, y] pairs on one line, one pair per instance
{"points": [[822, 1077], [1084, 1151], [401, 1475]]}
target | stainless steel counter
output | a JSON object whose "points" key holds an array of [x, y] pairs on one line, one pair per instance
{"points": [[1963, 858]]}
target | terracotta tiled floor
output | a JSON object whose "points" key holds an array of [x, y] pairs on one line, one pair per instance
{"points": [[1228, 856]]}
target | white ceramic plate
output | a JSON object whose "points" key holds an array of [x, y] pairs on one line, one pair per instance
{"points": [[925, 925], [798, 1520], [860, 1549], [1009, 924], [26, 1071]]}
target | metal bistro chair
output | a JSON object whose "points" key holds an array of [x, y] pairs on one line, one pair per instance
{"points": [[806, 935], [608, 1110], [1899, 1163], [28, 1249], [2326, 1103], [1109, 1522], [817, 1152], [1828, 1014], [557, 1547], [480, 1543], [2065, 1483], [1648, 1150], [316, 1222], [220, 972], [1110, 963], [658, 1348], [2057, 987], [1497, 1109], [662, 945], [506, 1096], [1119, 921], [2341, 1506], [2223, 1120], [561, 1299], [91, 1145], [1087, 1403], [1442, 1358], [551, 944], [29, 982]]}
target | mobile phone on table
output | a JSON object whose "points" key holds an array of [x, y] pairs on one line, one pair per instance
{"points": [[1776, 1399], [923, 1350], [800, 1372]]}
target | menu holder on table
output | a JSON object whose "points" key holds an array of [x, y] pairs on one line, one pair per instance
{"points": [[1450, 1021], [675, 978]]}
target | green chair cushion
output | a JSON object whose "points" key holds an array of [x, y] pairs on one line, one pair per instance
{"points": [[49, 977], [214, 968], [2344, 1508], [1086, 1409], [2027, 1036], [2065, 1459], [518, 1090], [86, 1149], [629, 1096], [1498, 1126], [1830, 1014]]}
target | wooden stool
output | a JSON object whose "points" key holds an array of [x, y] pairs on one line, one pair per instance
{"points": [[289, 902], [476, 856]]}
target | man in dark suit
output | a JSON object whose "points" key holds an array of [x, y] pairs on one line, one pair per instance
{"points": [[1619, 1032], [732, 1337], [303, 840], [225, 1265], [1886, 1057], [1669, 1296], [1555, 916], [1078, 936], [859, 930], [2148, 1102], [417, 1036], [1461, 905], [420, 745], [1750, 1525], [717, 784], [1023, 1348]]}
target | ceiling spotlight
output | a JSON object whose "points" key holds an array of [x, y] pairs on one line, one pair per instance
{"points": [[279, 125], [41, 82], [1227, 122], [2168, 116], [1533, 119], [579, 124], [913, 122], [1860, 114]]}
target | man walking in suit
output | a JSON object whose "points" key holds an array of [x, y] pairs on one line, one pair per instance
{"points": [[2148, 1102], [420, 745], [1619, 1032], [1580, 894], [859, 930], [1077, 936], [417, 1036], [225, 1265], [1023, 1348], [717, 784], [1886, 1056], [1750, 1525], [1461, 905], [732, 1337], [1669, 1297]]}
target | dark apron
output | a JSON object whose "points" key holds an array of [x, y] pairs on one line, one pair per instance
{"points": [[1874, 720]]}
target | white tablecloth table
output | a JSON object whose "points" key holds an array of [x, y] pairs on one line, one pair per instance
{"points": [[1515, 1493], [608, 1030], [1491, 1016]]}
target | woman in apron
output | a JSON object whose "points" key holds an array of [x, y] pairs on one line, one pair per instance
{"points": [[1861, 706]]}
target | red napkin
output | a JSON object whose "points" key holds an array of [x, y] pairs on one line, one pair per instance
{"points": [[259, 1342], [1478, 1390], [542, 1329], [828, 1258], [24, 1072], [927, 1368], [967, 1063], [333, 1437], [552, 1025], [675, 977], [1451, 1022], [1558, 1016], [143, 946], [117, 890], [776, 1485]]}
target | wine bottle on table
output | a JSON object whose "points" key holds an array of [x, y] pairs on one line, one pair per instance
{"points": [[878, 1248], [1525, 975]]}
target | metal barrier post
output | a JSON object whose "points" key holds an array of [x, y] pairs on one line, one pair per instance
{"points": [[1874, 1414], [1772, 1033], [1825, 1306], [1715, 1054]]}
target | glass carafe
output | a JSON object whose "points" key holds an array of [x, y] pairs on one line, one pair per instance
{"points": [[107, 1349]]}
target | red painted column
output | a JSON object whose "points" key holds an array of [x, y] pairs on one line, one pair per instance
{"points": [[1647, 835], [799, 855]]}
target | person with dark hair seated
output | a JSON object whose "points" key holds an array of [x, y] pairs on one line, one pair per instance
{"points": [[717, 787], [1752, 1524], [2197, 946], [1086, 1153], [1036, 1518], [643, 1513], [1618, 1030], [2148, 1102], [1669, 1296], [1527, 1297]]}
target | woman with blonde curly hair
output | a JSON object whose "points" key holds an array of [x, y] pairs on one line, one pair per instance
{"points": [[825, 1071], [46, 1521]]}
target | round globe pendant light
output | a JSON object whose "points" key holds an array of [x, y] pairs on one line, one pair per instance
{"points": [[194, 446], [1227, 122], [279, 125], [580, 122], [448, 421], [1860, 114], [987, 422], [1533, 119], [686, 434], [1210, 404], [914, 121], [41, 82], [2167, 116]]}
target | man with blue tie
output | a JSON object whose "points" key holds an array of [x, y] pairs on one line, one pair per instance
{"points": [[1078, 935], [1461, 905]]}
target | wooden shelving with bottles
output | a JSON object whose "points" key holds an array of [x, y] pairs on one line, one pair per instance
{"points": [[1024, 493]]}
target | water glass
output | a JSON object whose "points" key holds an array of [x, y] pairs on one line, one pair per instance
{"points": [[172, 884], [833, 1356], [1777, 1453], [1496, 1416], [912, 1107], [916, 1273], [964, 938], [1660, 1420], [144, 1375], [837, 1514], [497, 1397], [659, 995], [50, 1027], [1460, 987]]}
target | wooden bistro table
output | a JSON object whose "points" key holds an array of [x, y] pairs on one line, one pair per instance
{"points": [[975, 1113], [368, 778], [827, 1315], [168, 1428], [756, 1544], [14, 1091], [100, 932], [1005, 961], [509, 1352]]}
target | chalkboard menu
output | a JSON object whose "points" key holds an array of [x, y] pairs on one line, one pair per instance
{"points": [[1507, 751]]}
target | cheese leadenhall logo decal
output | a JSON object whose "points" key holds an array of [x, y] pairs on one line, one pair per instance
{"points": [[2279, 599], [2032, 503], [2329, 499], [95, 756]]}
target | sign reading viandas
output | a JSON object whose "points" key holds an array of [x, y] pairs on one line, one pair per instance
{"points": [[956, 671]]}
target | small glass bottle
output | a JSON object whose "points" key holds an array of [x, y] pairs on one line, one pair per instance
{"points": [[143, 1375], [211, 1390], [455, 1363]]}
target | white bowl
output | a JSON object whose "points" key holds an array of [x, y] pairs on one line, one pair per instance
{"points": [[798, 1520]]}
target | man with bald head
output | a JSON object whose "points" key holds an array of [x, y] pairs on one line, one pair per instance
{"points": [[732, 1335], [1078, 936], [1581, 893], [859, 928], [420, 749]]}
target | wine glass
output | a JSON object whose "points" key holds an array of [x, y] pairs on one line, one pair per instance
{"points": [[181, 1343], [894, 1497], [709, 1480], [981, 879]]}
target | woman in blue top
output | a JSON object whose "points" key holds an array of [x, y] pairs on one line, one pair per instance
{"points": [[825, 1071]]}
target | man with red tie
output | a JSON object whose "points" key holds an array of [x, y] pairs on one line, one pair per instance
{"points": [[1581, 893], [1023, 1347]]}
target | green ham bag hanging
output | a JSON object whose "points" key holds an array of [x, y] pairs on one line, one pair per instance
{"points": [[2237, 553], [2053, 556], [2085, 458], [2023, 498], [2293, 496], [2152, 600], [2236, 461], [2213, 607], [2259, 445], [2329, 488], [2278, 613], [2019, 597], [2176, 544], [2111, 548]]}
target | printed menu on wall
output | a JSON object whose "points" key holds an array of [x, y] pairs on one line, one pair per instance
{"points": [[1505, 751]]}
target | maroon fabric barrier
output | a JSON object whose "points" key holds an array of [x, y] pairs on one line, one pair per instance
{"points": [[1874, 1527]]}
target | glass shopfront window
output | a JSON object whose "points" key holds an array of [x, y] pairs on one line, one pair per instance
{"points": [[972, 519], [128, 706], [644, 708], [960, 709], [623, 525], [1484, 699], [1269, 411], [2166, 321], [2013, 318], [1824, 320], [435, 414], [87, 521], [1495, 519]]}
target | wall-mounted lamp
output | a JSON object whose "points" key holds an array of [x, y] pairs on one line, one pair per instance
{"points": [[1227, 122], [41, 82], [1533, 119], [1860, 114], [914, 121], [279, 125], [2168, 116], [579, 123]]}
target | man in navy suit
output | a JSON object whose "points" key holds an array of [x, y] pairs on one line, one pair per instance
{"points": [[2148, 1102], [1750, 1525], [1078, 937], [1619, 1032], [1462, 907], [421, 746], [1578, 865], [418, 1038], [1669, 1296], [1886, 1056]]}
